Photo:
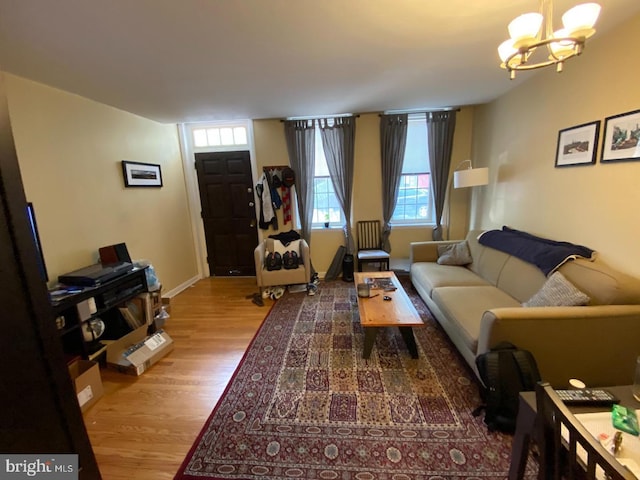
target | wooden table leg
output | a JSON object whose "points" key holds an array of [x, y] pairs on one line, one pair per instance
{"points": [[525, 423], [370, 334], [409, 340]]}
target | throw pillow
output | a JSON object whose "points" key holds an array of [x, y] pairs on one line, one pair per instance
{"points": [[454, 254], [557, 291]]}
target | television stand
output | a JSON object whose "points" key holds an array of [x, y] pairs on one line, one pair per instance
{"points": [[73, 308]]}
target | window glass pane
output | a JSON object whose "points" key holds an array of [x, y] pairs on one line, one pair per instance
{"points": [[413, 199], [326, 207], [321, 168], [200, 137], [213, 136], [414, 192], [226, 136], [240, 135], [416, 155]]}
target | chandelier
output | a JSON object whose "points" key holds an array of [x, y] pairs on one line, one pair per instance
{"points": [[526, 31]]}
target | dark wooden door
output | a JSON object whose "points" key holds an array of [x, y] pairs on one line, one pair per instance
{"points": [[228, 211], [39, 411]]}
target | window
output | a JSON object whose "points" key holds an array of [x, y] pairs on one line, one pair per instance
{"points": [[325, 203], [220, 136], [414, 203]]}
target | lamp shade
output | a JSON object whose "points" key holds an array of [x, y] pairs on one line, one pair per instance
{"points": [[562, 49], [580, 20], [525, 27], [471, 177], [506, 49]]}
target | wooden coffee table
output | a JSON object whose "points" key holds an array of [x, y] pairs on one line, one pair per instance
{"points": [[376, 313]]}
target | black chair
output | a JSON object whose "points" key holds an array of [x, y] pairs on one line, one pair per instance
{"points": [[567, 448], [370, 245]]}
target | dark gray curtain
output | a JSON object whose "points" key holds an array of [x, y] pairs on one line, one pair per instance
{"points": [[301, 145], [393, 140], [440, 128], [338, 143]]}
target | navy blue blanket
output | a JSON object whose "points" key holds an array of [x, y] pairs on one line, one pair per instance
{"points": [[547, 255]]}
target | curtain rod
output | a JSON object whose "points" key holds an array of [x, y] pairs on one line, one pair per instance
{"points": [[321, 117], [433, 110], [387, 112]]}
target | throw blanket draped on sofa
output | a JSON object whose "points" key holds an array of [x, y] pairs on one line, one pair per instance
{"points": [[547, 255]]}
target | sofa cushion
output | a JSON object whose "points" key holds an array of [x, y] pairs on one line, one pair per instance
{"points": [[431, 275], [557, 291], [464, 305], [487, 262], [454, 254], [520, 279]]}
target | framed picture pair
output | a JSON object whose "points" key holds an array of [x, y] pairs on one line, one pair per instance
{"points": [[621, 141]]}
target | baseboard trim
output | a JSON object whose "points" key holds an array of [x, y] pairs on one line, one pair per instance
{"points": [[183, 286]]}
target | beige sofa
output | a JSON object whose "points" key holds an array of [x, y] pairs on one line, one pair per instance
{"points": [[480, 305]]}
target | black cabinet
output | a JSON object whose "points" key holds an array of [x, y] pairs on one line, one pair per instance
{"points": [[75, 311]]}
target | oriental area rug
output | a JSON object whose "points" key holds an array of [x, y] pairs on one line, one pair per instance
{"points": [[304, 404]]}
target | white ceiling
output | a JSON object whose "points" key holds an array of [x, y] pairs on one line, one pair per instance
{"points": [[196, 60]]}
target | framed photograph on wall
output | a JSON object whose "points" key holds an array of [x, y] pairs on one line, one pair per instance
{"points": [[137, 174], [621, 140], [578, 145]]}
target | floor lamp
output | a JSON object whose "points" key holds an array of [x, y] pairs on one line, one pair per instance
{"points": [[464, 178]]}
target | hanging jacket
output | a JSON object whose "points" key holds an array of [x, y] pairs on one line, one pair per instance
{"points": [[267, 214]]}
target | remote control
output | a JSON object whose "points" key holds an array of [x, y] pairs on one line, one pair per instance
{"points": [[587, 396]]}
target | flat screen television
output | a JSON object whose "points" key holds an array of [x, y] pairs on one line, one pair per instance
{"points": [[31, 217]]}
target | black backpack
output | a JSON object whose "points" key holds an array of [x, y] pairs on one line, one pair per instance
{"points": [[505, 371]]}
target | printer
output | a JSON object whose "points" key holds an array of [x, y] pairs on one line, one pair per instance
{"points": [[95, 275]]}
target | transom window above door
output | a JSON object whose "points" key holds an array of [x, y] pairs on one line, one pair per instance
{"points": [[220, 136]]}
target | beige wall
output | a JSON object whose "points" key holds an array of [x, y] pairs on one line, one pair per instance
{"points": [[270, 149], [516, 137], [69, 150]]}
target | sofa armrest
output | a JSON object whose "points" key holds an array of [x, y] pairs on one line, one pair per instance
{"points": [[426, 251], [596, 344]]}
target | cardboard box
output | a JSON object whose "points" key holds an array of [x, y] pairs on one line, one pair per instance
{"points": [[150, 304], [136, 352], [166, 303], [86, 377]]}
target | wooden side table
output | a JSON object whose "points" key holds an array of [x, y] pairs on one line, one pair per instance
{"points": [[526, 420]]}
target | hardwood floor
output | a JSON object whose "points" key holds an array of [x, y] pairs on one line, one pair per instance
{"points": [[144, 426]]}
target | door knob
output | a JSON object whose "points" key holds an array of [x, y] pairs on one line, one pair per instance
{"points": [[251, 204]]}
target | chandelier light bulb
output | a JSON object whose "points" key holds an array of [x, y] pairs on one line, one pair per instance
{"points": [[561, 49], [525, 28], [580, 20]]}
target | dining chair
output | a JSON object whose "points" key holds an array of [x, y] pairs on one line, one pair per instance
{"points": [[567, 449], [370, 245]]}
